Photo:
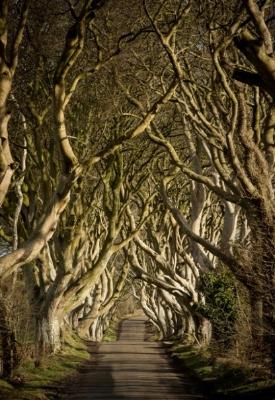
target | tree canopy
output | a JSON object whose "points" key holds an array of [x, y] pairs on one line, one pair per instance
{"points": [[137, 158]]}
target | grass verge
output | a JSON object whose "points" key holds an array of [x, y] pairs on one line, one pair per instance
{"points": [[111, 334], [42, 383], [222, 378]]}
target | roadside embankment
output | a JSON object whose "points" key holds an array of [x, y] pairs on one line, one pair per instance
{"points": [[223, 378]]}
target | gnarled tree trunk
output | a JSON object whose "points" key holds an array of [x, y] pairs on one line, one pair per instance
{"points": [[48, 333]]}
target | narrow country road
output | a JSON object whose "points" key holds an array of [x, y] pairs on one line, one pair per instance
{"points": [[131, 368]]}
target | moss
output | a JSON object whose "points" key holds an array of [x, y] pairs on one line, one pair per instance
{"points": [[26, 200], [111, 334], [254, 386], [8, 392], [25, 187], [4, 385]]}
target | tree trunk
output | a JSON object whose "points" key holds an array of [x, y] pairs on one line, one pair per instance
{"points": [[48, 334], [189, 328], [9, 349], [6, 353], [203, 330], [257, 321], [88, 318], [262, 260]]}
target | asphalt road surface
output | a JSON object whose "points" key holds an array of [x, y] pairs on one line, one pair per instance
{"points": [[131, 368]]}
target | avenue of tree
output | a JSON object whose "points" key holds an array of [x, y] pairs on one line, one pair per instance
{"points": [[137, 158]]}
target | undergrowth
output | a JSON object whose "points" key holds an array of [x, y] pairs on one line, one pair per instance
{"points": [[224, 378], [43, 383]]}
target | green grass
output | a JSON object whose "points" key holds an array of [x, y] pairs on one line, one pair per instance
{"points": [[223, 378], [41, 383], [111, 334]]}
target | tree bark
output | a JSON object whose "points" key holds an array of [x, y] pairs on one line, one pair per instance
{"points": [[48, 334], [10, 357]]}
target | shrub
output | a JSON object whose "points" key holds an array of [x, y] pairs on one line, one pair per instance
{"points": [[220, 304]]}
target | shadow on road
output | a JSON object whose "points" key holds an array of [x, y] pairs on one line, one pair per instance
{"points": [[129, 369], [93, 382]]}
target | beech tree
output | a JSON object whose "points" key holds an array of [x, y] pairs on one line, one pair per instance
{"points": [[137, 153], [218, 111]]}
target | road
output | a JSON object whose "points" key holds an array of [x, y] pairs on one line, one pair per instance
{"points": [[131, 368]]}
